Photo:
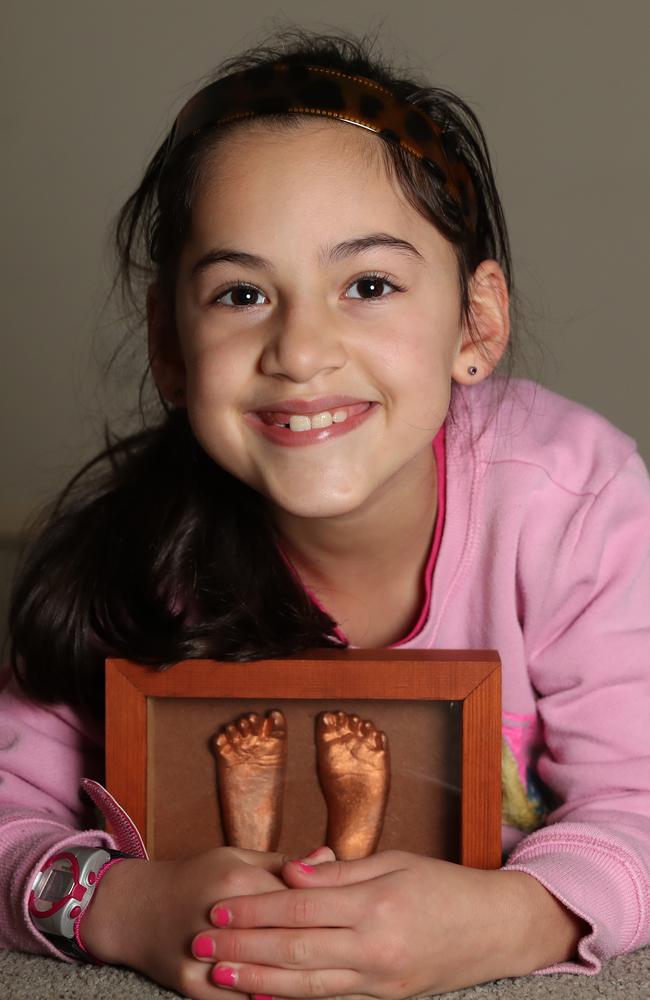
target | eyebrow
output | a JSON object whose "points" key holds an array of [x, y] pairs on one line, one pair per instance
{"points": [[326, 255]]}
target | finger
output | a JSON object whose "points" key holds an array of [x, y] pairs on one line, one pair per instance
{"points": [[327, 907], [301, 948], [302, 873], [261, 979], [275, 862], [195, 981]]}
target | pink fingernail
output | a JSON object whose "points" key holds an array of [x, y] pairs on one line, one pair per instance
{"points": [[261, 996], [314, 854], [223, 976], [203, 947], [221, 916], [308, 869]]}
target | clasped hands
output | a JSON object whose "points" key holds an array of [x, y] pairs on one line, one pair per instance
{"points": [[392, 925]]}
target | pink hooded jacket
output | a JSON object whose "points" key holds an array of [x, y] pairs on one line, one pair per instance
{"points": [[542, 552]]}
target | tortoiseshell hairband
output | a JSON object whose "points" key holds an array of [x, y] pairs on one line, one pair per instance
{"points": [[319, 90]]}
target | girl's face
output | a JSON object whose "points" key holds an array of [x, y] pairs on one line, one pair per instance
{"points": [[310, 286]]}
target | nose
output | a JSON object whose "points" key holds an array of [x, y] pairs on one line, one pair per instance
{"points": [[305, 343]]}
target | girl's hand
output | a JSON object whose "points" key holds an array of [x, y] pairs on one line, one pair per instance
{"points": [[390, 926], [145, 913]]}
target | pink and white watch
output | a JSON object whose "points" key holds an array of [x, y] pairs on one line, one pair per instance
{"points": [[61, 892]]}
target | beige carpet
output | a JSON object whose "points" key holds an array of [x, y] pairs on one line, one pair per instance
{"points": [[28, 977]]}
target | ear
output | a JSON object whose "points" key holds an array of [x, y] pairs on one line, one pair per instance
{"points": [[489, 322], [165, 359]]}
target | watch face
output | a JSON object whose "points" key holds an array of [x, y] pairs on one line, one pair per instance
{"points": [[56, 885], [63, 888]]}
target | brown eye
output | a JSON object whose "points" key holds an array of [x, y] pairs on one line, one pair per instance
{"points": [[242, 296], [372, 286]]}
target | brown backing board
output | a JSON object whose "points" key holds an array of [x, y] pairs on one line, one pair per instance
{"points": [[423, 812], [159, 766]]}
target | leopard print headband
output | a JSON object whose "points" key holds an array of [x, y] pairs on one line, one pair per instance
{"points": [[319, 90]]}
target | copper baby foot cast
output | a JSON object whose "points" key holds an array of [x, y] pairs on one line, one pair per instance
{"points": [[354, 773], [251, 764]]}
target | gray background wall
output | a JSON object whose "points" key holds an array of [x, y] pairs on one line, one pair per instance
{"points": [[89, 88]]}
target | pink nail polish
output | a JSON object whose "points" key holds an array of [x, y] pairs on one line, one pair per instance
{"points": [[314, 854], [223, 976], [307, 869], [203, 947], [261, 996], [221, 916]]}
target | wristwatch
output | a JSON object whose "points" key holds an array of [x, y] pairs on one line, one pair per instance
{"points": [[62, 890]]}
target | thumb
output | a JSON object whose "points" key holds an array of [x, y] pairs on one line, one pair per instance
{"points": [[301, 873], [318, 857], [274, 862]]}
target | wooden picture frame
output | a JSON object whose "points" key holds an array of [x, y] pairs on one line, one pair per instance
{"points": [[152, 753]]}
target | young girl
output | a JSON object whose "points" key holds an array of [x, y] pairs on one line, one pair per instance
{"points": [[327, 277]]}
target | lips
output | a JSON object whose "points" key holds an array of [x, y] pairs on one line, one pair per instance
{"points": [[300, 429]]}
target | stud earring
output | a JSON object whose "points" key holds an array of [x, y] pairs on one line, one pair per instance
{"points": [[472, 370]]}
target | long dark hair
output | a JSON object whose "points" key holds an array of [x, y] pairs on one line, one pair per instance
{"points": [[152, 551]]}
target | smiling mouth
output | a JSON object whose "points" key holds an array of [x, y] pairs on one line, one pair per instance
{"points": [[299, 422]]}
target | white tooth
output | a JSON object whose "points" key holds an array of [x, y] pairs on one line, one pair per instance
{"points": [[299, 423], [323, 419], [340, 416]]}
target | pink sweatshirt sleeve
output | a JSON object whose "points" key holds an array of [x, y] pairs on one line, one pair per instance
{"points": [[589, 656], [45, 751]]}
